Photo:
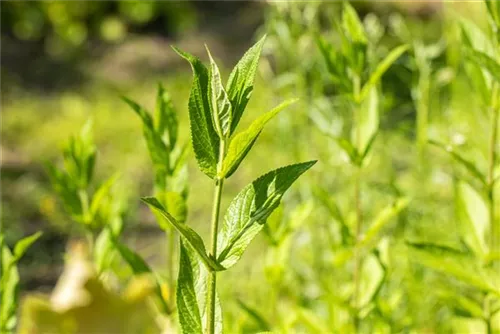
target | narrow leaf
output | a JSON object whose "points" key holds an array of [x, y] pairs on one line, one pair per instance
{"points": [[352, 25], [382, 67], [187, 304], [466, 163], [219, 101], [22, 245], [204, 138], [242, 143], [368, 121], [462, 266], [474, 218], [191, 237], [165, 120], [249, 210], [372, 277], [383, 218], [240, 83], [485, 61], [191, 294], [263, 324]]}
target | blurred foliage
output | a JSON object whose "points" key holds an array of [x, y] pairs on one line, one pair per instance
{"points": [[66, 26], [306, 268]]}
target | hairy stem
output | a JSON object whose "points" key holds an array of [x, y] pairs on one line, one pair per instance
{"points": [[212, 276]]}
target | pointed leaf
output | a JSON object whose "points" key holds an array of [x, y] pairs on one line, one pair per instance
{"points": [[253, 312], [352, 25], [350, 150], [381, 68], [485, 61], [219, 101], [466, 163], [101, 193], [240, 83], [462, 266], [372, 277], [158, 151], [204, 138], [474, 217], [191, 294], [242, 143], [248, 212], [383, 218], [9, 291], [191, 237], [367, 122], [22, 245], [165, 120]]}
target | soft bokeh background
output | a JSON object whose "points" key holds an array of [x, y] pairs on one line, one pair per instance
{"points": [[65, 62]]}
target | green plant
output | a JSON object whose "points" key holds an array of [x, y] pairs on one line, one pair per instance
{"points": [[476, 263], [9, 279], [169, 166], [97, 213], [356, 77], [214, 112]]}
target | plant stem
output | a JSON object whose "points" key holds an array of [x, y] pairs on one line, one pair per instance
{"points": [[357, 201], [495, 228], [212, 275], [171, 266]]}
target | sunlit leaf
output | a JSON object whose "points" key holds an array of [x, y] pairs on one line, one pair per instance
{"points": [[242, 143], [191, 237], [203, 135], [249, 210], [240, 83]]}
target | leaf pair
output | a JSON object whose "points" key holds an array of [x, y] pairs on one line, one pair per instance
{"points": [[160, 132], [244, 218], [9, 280], [353, 56], [215, 110], [72, 183]]}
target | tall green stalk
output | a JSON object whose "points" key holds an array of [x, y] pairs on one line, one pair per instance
{"points": [[212, 276], [357, 201]]}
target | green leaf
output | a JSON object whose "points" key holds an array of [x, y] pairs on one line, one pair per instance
{"points": [[367, 123], [474, 217], [249, 210], [165, 120], [494, 11], [334, 210], [462, 266], [485, 61], [203, 135], [104, 249], [352, 25], [191, 237], [191, 294], [372, 277], [466, 163], [219, 101], [381, 68], [101, 193], [240, 83], [139, 267], [262, 323], [9, 291], [350, 150], [383, 218], [463, 305], [158, 151], [140, 111], [242, 143], [22, 245]]}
